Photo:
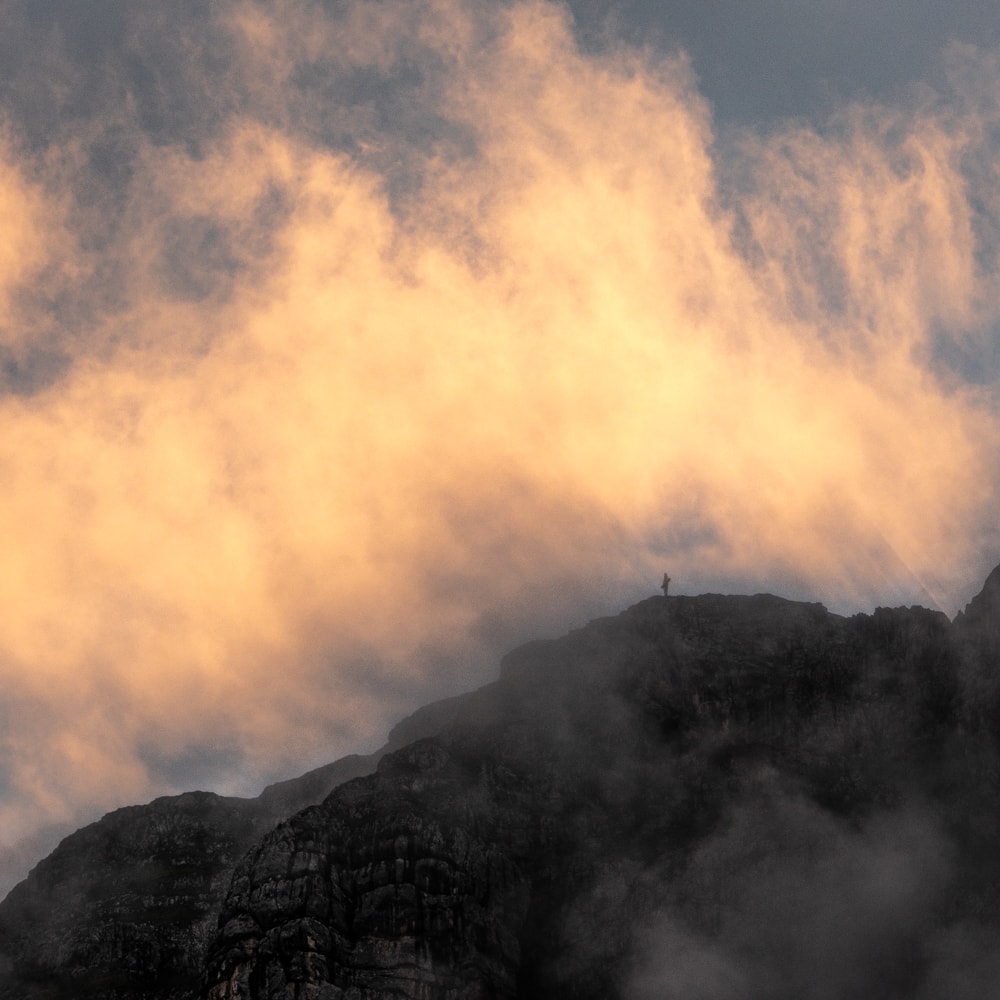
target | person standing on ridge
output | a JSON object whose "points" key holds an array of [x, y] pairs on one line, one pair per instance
{"points": [[666, 584]]}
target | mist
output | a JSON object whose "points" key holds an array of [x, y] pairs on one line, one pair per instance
{"points": [[790, 902]]}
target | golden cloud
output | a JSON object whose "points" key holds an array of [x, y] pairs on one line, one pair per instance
{"points": [[30, 229], [321, 443]]}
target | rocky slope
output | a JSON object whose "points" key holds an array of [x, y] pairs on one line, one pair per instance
{"points": [[603, 776], [127, 906], [701, 797]]}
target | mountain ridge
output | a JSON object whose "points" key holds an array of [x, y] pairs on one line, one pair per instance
{"points": [[67, 917], [596, 760]]}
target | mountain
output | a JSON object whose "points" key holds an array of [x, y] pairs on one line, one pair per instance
{"points": [[709, 796], [127, 906]]}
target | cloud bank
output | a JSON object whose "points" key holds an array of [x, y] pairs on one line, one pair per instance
{"points": [[345, 346]]}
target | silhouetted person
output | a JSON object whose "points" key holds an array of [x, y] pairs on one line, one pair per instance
{"points": [[666, 584]]}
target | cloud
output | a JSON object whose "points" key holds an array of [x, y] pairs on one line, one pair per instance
{"points": [[22, 212], [437, 333], [786, 902], [32, 225]]}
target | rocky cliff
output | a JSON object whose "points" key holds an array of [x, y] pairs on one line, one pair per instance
{"points": [[127, 906], [526, 851], [705, 796]]}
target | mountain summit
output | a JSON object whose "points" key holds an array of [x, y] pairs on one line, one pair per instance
{"points": [[983, 611], [709, 796]]}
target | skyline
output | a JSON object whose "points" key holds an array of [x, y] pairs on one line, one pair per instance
{"points": [[346, 346]]}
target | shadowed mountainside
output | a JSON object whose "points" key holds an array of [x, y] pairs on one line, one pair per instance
{"points": [[126, 906], [702, 796]]}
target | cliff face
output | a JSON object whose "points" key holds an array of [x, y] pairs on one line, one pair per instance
{"points": [[395, 891], [584, 798], [710, 796], [129, 903], [126, 907]]}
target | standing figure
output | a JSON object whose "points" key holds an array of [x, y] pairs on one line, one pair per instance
{"points": [[666, 584]]}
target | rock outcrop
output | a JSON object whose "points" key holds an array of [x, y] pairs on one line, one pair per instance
{"points": [[126, 907], [525, 851], [731, 795]]}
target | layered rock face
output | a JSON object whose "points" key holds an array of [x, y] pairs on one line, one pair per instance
{"points": [[395, 896], [706, 796], [527, 851], [126, 907], [129, 903]]}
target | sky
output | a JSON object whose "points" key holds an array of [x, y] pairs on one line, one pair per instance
{"points": [[346, 345]]}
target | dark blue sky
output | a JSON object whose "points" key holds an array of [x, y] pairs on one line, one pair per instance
{"points": [[764, 60]]}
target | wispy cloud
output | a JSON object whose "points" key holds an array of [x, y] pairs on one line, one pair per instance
{"points": [[416, 329]]}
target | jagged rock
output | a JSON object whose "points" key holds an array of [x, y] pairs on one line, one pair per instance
{"points": [[126, 907], [984, 609], [596, 761], [674, 770]]}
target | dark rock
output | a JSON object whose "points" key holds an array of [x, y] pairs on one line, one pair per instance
{"points": [[586, 780], [729, 773], [126, 907], [984, 609]]}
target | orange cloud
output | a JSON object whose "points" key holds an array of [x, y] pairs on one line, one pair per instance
{"points": [[340, 440], [30, 229]]}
